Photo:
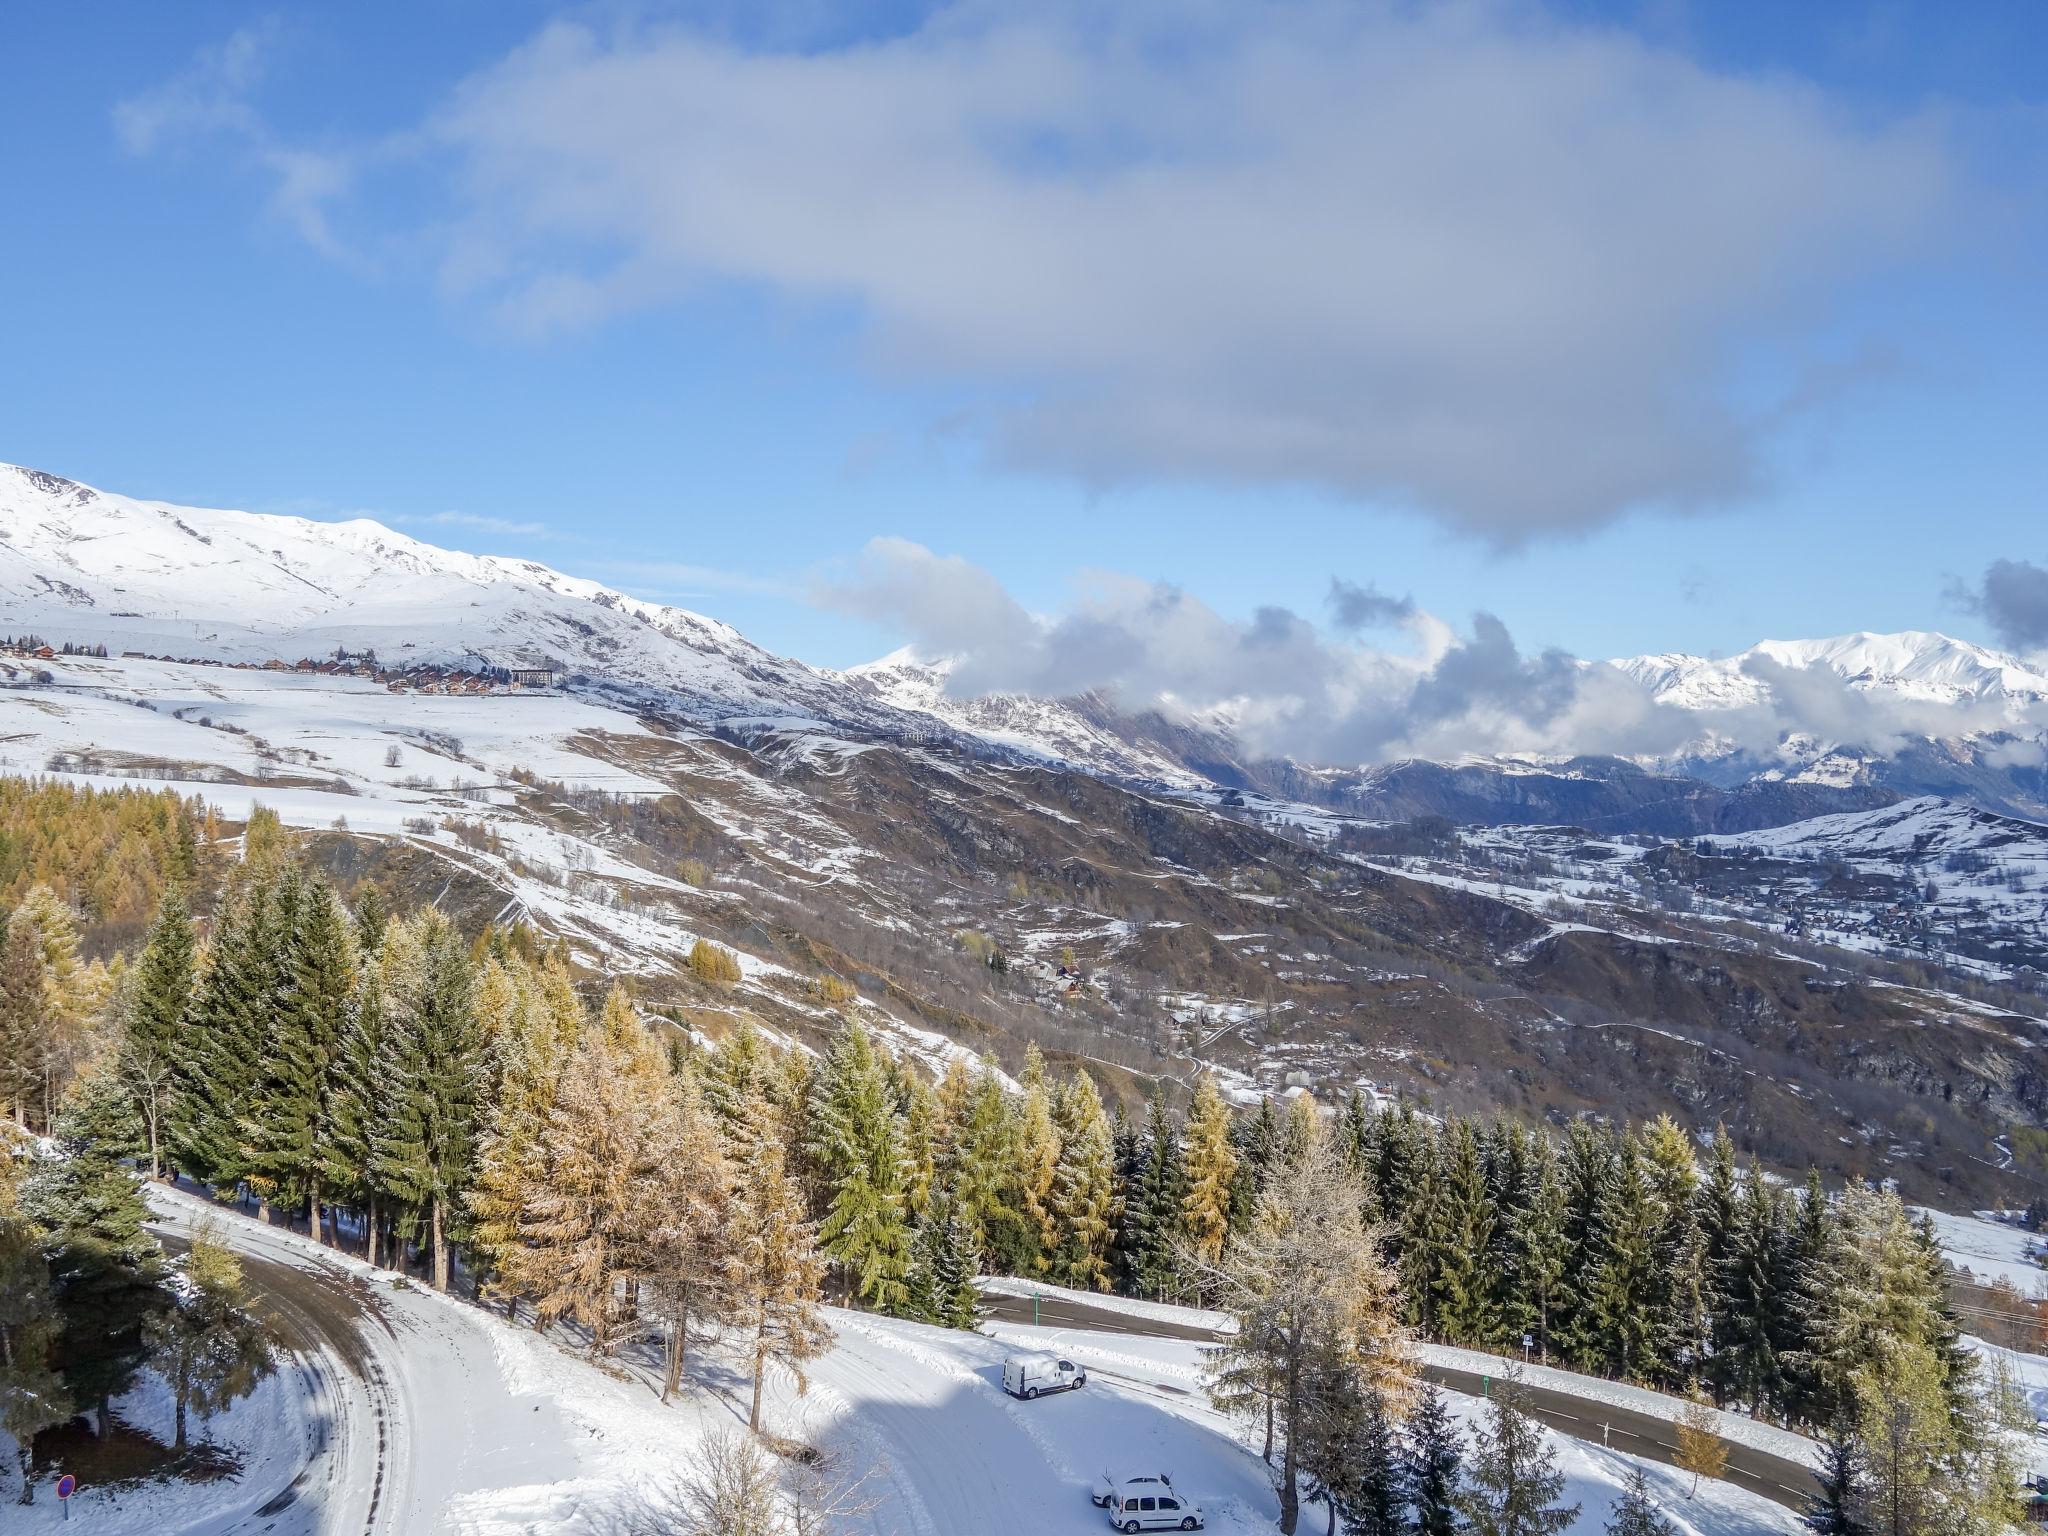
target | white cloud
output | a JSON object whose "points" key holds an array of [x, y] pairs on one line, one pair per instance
{"points": [[1457, 255], [1289, 688]]}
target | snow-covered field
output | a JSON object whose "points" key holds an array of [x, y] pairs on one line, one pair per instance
{"points": [[1990, 1250]]}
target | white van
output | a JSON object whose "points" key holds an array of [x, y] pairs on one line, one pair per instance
{"points": [[1031, 1375], [1145, 1504]]}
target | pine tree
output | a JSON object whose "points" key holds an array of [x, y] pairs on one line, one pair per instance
{"points": [[776, 1267], [1084, 1190], [423, 1147], [980, 1173], [955, 1262], [1359, 1465], [1513, 1481], [1831, 1511], [32, 1395], [1210, 1165], [1542, 1219], [1634, 1513], [1587, 1157], [207, 1345], [104, 1262], [856, 1141], [155, 1016], [1462, 1273], [920, 1143], [220, 1045], [1746, 1367], [1618, 1314], [356, 1104], [1432, 1465], [1161, 1204], [290, 1117]]}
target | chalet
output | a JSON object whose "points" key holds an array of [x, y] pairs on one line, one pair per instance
{"points": [[536, 677]]}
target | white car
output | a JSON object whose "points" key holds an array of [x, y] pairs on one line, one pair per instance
{"points": [[1145, 1503], [1031, 1375]]}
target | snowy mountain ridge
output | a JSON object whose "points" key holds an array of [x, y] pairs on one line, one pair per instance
{"points": [[78, 564]]}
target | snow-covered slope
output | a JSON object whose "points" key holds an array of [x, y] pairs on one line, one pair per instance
{"points": [[77, 564]]}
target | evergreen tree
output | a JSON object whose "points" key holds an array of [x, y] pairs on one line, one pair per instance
{"points": [[1831, 1511], [1462, 1271], [1513, 1481], [856, 1142], [221, 1044], [1084, 1190], [1161, 1199], [920, 1143], [423, 1146], [1634, 1513], [290, 1117], [32, 1396], [1211, 1170], [1746, 1367], [957, 1263], [981, 1175], [1618, 1314], [104, 1262], [356, 1104], [155, 1016], [1432, 1465], [1585, 1163], [1359, 1468]]}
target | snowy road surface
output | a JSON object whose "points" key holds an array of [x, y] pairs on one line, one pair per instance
{"points": [[409, 1412]]}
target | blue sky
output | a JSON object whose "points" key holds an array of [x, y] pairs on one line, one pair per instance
{"points": [[701, 300]]}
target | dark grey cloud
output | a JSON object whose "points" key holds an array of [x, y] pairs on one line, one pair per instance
{"points": [[1354, 607], [2012, 598]]}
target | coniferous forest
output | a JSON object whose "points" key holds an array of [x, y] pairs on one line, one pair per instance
{"points": [[472, 1109]]}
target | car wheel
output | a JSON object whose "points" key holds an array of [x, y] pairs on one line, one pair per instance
{"points": [[1030, 1392], [1190, 1523], [1130, 1528]]}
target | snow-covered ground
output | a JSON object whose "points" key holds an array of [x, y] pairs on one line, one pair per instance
{"points": [[1168, 1371], [1990, 1250]]}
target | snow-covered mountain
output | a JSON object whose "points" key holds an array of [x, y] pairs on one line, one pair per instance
{"points": [[1916, 665], [78, 564], [87, 566]]}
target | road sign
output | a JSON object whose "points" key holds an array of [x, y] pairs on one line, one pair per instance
{"points": [[66, 1486]]}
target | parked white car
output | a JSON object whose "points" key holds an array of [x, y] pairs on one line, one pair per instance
{"points": [[1033, 1375], [1145, 1503]]}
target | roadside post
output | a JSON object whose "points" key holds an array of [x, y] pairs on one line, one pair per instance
{"points": [[1528, 1343], [1036, 1297]]}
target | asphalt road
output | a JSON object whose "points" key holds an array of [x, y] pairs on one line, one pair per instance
{"points": [[1784, 1482]]}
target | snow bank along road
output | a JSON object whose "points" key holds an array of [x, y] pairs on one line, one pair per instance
{"points": [[1598, 1412], [407, 1411]]}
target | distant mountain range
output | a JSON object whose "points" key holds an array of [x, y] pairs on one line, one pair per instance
{"points": [[89, 567]]}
